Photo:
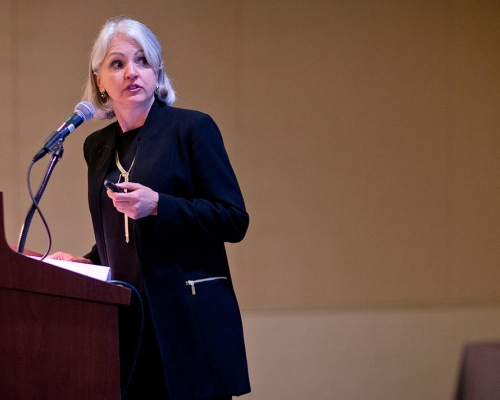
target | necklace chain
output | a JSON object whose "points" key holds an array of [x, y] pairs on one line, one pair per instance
{"points": [[124, 174]]}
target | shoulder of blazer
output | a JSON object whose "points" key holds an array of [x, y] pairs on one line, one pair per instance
{"points": [[161, 116], [99, 140], [101, 134]]}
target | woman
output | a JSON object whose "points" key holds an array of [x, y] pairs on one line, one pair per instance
{"points": [[166, 234]]}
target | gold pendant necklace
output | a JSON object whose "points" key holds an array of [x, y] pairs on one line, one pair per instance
{"points": [[124, 174]]}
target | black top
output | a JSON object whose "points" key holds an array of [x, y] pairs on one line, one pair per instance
{"points": [[122, 255]]}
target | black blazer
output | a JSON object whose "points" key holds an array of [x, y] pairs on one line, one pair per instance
{"points": [[181, 155]]}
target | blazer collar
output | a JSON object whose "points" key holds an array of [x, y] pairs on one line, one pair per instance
{"points": [[153, 121]]}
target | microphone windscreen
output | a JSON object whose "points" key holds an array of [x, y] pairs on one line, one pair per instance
{"points": [[86, 110]]}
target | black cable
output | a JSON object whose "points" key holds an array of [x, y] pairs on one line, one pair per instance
{"points": [[139, 339], [29, 216]]}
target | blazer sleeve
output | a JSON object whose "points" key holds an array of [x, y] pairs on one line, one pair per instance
{"points": [[216, 210], [93, 256]]}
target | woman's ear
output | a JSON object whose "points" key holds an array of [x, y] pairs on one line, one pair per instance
{"points": [[97, 80]]}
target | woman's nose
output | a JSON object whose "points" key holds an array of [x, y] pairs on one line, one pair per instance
{"points": [[131, 70]]}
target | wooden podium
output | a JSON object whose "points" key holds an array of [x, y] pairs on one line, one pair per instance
{"points": [[58, 331]]}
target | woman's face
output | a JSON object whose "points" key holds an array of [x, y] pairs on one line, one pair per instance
{"points": [[126, 75]]}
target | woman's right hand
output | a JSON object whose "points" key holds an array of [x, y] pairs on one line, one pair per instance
{"points": [[69, 257]]}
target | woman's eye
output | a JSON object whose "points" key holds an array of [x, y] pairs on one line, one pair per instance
{"points": [[116, 64], [142, 61]]}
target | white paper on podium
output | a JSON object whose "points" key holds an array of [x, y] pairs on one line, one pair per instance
{"points": [[99, 272]]}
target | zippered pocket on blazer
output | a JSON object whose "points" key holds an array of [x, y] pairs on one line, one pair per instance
{"points": [[196, 281]]}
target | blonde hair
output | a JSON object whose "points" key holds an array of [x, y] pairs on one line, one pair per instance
{"points": [[152, 50]]}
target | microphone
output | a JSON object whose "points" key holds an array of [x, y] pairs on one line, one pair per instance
{"points": [[84, 111]]}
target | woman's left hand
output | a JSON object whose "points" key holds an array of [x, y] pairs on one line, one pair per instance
{"points": [[139, 201]]}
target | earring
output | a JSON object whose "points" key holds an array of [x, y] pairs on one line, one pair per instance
{"points": [[103, 95]]}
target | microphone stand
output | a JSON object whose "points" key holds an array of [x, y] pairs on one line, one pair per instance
{"points": [[56, 155]]}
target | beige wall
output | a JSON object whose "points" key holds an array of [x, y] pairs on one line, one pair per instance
{"points": [[381, 354], [364, 135]]}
